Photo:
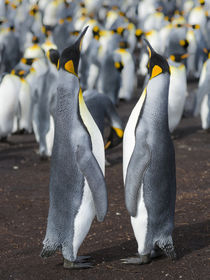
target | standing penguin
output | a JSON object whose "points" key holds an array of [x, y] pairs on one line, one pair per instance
{"points": [[149, 167], [77, 186], [177, 89]]}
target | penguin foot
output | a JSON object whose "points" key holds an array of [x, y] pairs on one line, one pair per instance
{"points": [[82, 258], [156, 252], [142, 259], [78, 264]]}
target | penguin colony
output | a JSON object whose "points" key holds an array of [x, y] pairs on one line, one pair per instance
{"points": [[65, 65]]}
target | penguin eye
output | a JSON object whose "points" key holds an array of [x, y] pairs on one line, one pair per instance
{"points": [[156, 70]]}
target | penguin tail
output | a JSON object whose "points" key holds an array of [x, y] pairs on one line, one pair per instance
{"points": [[47, 252], [167, 247]]}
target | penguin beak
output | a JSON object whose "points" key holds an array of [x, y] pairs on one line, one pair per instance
{"points": [[184, 55], [149, 47], [78, 43]]}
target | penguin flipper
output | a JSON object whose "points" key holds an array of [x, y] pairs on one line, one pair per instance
{"points": [[137, 166], [95, 178]]}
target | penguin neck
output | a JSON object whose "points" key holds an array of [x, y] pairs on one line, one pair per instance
{"points": [[156, 106], [68, 94]]}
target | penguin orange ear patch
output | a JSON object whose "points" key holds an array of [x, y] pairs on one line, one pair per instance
{"points": [[156, 70], [69, 66]]}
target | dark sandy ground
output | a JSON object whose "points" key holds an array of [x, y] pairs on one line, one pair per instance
{"points": [[24, 206]]}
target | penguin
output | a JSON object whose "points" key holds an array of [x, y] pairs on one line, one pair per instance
{"points": [[177, 89], [128, 77], [77, 186], [202, 104], [9, 93], [42, 119], [109, 81], [149, 166], [25, 116], [101, 109]]}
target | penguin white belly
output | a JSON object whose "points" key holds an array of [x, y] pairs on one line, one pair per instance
{"points": [[177, 96], [129, 138], [92, 77], [9, 91], [143, 64], [205, 112], [197, 16], [140, 222], [87, 211], [50, 136], [83, 219], [25, 105], [203, 75], [128, 75]]}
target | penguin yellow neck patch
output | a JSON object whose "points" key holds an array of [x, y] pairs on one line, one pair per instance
{"points": [[156, 70], [69, 66], [118, 131]]}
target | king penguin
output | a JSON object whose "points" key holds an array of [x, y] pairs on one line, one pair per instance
{"points": [[149, 167], [77, 186], [177, 89]]}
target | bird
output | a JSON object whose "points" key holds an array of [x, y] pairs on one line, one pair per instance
{"points": [[128, 77], [177, 89], [77, 185], [109, 81], [202, 103], [9, 94], [102, 109], [149, 166]]}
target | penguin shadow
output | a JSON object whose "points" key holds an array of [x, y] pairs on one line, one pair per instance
{"points": [[181, 133], [191, 237], [187, 239], [8, 153]]}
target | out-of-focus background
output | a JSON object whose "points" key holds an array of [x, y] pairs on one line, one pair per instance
{"points": [[113, 72]]}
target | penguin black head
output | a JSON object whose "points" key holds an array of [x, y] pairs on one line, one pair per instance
{"points": [[119, 65], [34, 10], [178, 57], [96, 32], [195, 26], [119, 30], [157, 63], [184, 43], [27, 61], [53, 56], [139, 33], [35, 40], [207, 51], [69, 59], [202, 2], [123, 45]]}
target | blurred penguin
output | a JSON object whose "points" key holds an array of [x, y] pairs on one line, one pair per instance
{"points": [[202, 106], [128, 75], [110, 77], [9, 94], [102, 109], [177, 89]]}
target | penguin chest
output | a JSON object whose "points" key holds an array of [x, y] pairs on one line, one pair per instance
{"points": [[129, 138], [177, 87], [205, 112], [94, 133]]}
